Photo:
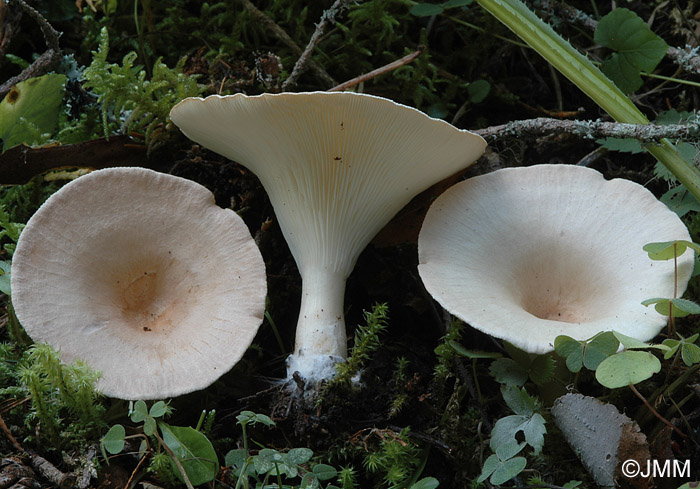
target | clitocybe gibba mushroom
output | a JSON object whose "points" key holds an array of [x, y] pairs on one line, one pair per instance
{"points": [[527, 254], [143, 277], [337, 167]]}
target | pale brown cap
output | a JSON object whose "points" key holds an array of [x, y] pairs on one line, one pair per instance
{"points": [[141, 275]]}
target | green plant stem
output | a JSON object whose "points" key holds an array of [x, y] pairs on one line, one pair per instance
{"points": [[175, 460], [655, 413], [586, 76]]}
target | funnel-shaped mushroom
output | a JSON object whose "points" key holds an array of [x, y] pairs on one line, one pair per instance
{"points": [[337, 167], [527, 254], [142, 276]]}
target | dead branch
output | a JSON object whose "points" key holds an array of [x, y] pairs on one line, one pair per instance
{"points": [[543, 126], [301, 64], [379, 71], [44, 63], [278, 32]]}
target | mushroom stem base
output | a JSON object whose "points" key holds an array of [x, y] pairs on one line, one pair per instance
{"points": [[321, 341]]}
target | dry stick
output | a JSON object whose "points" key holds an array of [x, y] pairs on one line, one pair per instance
{"points": [[655, 413], [44, 63], [270, 24], [40, 464], [543, 126], [379, 71], [300, 65]]}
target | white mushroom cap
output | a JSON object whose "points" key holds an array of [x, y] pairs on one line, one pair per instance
{"points": [[337, 166], [527, 254], [142, 276]]}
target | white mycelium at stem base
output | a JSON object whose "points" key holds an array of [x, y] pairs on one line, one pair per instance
{"points": [[527, 254], [337, 167]]}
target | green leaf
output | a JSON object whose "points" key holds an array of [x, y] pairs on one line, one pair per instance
{"points": [[158, 409], [426, 9], [624, 145], [425, 483], [677, 307], [599, 348], [324, 472], [472, 353], [630, 343], [572, 350], [680, 200], [501, 466], [637, 48], [457, 3], [525, 420], [506, 371], [666, 250], [300, 455], [690, 354], [478, 90], [140, 412], [5, 269], [30, 109], [627, 367], [572, 484], [113, 441], [194, 450], [235, 458], [541, 369]]}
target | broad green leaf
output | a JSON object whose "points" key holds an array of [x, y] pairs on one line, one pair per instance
{"points": [[506, 371], [235, 458], [690, 485], [478, 90], [158, 409], [501, 466], [426, 9], [324, 472], [599, 348], [690, 353], [149, 426], [637, 48], [194, 450], [31, 108], [680, 201], [630, 343], [572, 484], [627, 367], [507, 470], [457, 3], [113, 441], [140, 412], [541, 369], [677, 307], [666, 250], [624, 145], [526, 420], [5, 268], [426, 483], [472, 353], [300, 455], [572, 350]]}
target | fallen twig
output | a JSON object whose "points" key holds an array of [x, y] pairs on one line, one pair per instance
{"points": [[44, 63], [379, 71], [301, 64], [592, 129], [278, 32], [39, 463]]}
